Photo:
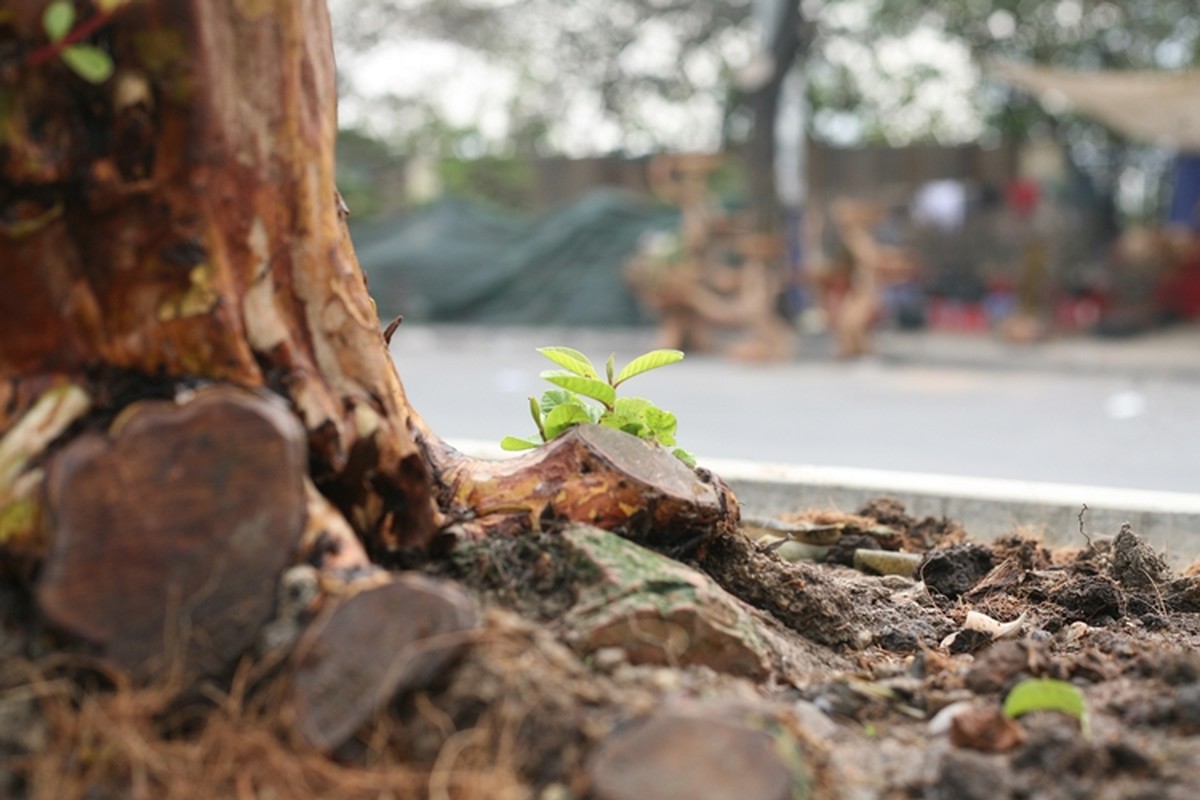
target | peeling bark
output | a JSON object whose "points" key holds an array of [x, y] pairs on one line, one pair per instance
{"points": [[180, 220], [178, 227]]}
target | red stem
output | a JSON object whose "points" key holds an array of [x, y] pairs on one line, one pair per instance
{"points": [[77, 34]]}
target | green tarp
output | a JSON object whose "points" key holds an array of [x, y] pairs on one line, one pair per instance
{"points": [[455, 261]]}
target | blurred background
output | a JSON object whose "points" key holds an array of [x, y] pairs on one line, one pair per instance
{"points": [[953, 185]]}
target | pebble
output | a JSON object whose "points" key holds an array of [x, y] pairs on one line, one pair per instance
{"points": [[673, 756]]}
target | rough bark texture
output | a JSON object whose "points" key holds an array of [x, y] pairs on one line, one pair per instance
{"points": [[175, 256], [179, 222], [590, 474]]}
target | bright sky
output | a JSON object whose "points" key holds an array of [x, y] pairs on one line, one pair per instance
{"points": [[468, 91]]}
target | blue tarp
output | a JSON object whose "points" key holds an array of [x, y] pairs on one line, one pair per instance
{"points": [[455, 261]]}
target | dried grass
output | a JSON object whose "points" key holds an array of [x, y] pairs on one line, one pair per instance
{"points": [[142, 743]]}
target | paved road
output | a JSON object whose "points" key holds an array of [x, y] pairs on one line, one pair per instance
{"points": [[1122, 427]]}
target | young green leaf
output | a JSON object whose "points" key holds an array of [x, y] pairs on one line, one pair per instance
{"points": [[536, 411], [90, 63], [1045, 694], [58, 18], [513, 443], [571, 360], [662, 425], [588, 387], [566, 416], [631, 426], [563, 408], [552, 398], [629, 415], [684, 456], [646, 362], [634, 407]]}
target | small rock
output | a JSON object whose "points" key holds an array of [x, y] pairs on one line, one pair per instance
{"points": [[985, 729], [898, 640], [940, 722], [657, 610], [968, 641], [887, 562], [1187, 706], [1183, 594], [677, 757], [385, 640], [299, 589], [999, 668], [966, 775], [607, 659], [813, 720]]}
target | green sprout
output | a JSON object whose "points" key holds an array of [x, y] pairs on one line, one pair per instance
{"points": [[1045, 694], [88, 62], [561, 409]]}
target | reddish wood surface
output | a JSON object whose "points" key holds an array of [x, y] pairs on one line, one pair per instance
{"points": [[170, 533], [389, 639], [181, 220]]}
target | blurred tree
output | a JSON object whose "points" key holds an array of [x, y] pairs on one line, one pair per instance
{"points": [[585, 77], [597, 76], [857, 52], [643, 75]]}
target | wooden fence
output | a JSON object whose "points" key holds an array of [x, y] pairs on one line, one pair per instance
{"points": [[832, 172]]}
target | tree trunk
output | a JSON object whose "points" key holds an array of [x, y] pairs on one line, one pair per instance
{"points": [[180, 221], [175, 261], [785, 47]]}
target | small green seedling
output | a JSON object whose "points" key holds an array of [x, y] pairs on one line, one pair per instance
{"points": [[88, 62], [1045, 694], [578, 381]]}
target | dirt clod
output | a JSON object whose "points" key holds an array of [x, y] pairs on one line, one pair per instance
{"points": [[953, 571], [968, 775], [986, 729], [1135, 564]]}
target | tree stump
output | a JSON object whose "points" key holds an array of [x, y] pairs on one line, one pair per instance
{"points": [[171, 530]]}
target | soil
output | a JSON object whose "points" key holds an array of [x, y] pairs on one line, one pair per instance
{"points": [[900, 695]]}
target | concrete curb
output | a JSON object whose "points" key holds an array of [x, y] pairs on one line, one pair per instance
{"points": [[987, 507]]}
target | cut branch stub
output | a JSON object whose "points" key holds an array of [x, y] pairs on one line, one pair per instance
{"points": [[170, 532], [382, 640], [596, 475]]}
